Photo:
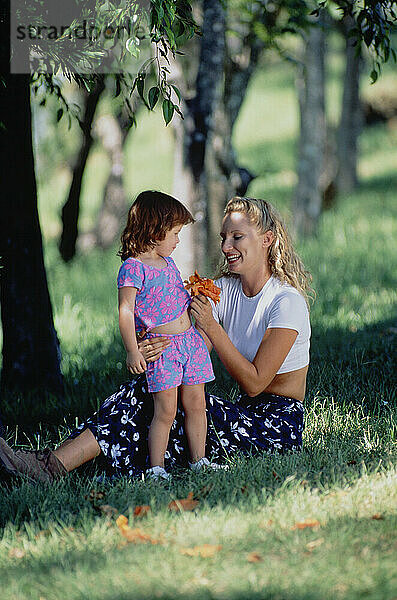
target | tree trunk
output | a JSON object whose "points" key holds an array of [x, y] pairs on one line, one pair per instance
{"points": [[212, 154], [307, 201], [31, 355], [71, 208], [224, 178], [112, 131], [351, 115], [192, 139]]}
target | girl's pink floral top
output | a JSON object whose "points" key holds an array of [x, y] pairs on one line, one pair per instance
{"points": [[161, 295]]}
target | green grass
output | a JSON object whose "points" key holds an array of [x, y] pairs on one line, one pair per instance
{"points": [[56, 544]]}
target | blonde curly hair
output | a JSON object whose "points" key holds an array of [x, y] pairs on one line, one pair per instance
{"points": [[284, 262]]}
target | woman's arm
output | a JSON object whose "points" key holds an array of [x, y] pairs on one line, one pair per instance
{"points": [[253, 377], [135, 360]]}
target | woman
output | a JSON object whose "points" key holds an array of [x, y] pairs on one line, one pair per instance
{"points": [[261, 333]]}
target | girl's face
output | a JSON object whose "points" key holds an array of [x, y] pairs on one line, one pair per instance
{"points": [[170, 242], [244, 247]]}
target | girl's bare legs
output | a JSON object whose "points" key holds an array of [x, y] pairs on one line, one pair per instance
{"points": [[193, 402], [165, 404], [74, 453]]}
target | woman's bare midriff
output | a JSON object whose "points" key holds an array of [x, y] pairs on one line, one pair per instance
{"points": [[291, 385], [179, 325]]}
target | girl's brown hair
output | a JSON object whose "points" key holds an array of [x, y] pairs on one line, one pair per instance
{"points": [[284, 262], [150, 217]]}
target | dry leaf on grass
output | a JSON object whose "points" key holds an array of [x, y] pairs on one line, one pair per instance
{"points": [[306, 523], [42, 533], [377, 517], [136, 535], [16, 553], [314, 544], [141, 511], [254, 557], [187, 503], [205, 551]]}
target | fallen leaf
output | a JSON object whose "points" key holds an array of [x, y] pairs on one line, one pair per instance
{"points": [[351, 462], [314, 544], [108, 510], [16, 553], [275, 475], [306, 523], [205, 551], [268, 523], [254, 557], [135, 536], [141, 511], [42, 533], [187, 503], [121, 521], [377, 517]]}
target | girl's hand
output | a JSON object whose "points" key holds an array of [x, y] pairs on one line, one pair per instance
{"points": [[136, 362], [153, 348], [201, 310]]}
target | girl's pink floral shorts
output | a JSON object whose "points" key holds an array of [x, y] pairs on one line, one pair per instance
{"points": [[185, 361]]}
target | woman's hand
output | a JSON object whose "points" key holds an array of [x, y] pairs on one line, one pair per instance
{"points": [[201, 310], [153, 348], [135, 362]]}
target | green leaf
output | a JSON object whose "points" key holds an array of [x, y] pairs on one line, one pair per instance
{"points": [[153, 96], [140, 85], [177, 92], [374, 76], [132, 47], [168, 110]]}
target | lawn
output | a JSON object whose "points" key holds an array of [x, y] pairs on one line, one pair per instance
{"points": [[318, 524]]}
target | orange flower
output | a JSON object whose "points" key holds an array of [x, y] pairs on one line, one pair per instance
{"points": [[203, 285]]}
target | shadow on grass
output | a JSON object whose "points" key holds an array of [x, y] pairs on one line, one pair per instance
{"points": [[355, 367], [380, 184]]}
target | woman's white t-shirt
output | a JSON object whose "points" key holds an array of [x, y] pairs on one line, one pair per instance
{"points": [[245, 319]]}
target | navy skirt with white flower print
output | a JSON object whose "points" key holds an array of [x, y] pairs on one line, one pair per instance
{"points": [[267, 423]]}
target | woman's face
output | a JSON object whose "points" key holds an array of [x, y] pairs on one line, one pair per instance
{"points": [[244, 247]]}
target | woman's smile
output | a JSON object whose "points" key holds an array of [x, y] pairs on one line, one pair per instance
{"points": [[232, 258]]}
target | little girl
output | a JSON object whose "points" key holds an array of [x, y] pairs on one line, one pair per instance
{"points": [[152, 298]]}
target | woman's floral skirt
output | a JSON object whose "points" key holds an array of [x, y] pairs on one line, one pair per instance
{"points": [[266, 423]]}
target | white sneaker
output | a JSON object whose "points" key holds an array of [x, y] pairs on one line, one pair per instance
{"points": [[157, 473], [204, 463]]}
